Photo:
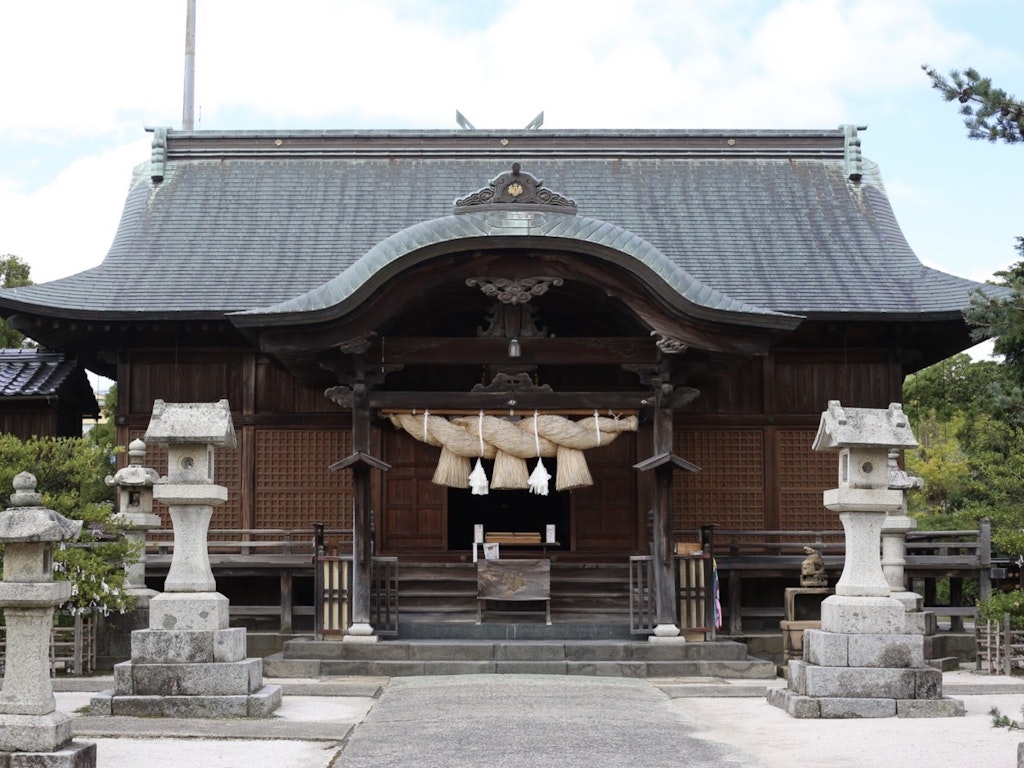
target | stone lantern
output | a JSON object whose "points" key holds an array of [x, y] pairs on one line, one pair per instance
{"points": [[863, 662], [135, 511], [189, 663], [29, 720], [863, 438]]}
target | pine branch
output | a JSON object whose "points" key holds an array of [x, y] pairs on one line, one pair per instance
{"points": [[989, 113], [999, 720]]}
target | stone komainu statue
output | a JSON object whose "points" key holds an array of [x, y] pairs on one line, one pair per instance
{"points": [[812, 569]]}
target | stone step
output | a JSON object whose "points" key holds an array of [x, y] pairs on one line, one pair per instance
{"points": [[945, 663], [606, 629], [750, 669], [723, 659]]}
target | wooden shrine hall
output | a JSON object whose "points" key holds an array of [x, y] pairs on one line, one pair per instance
{"points": [[401, 320]]}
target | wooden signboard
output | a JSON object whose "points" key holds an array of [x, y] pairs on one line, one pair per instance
{"points": [[513, 580]]}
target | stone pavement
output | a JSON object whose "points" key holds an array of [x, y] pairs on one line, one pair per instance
{"points": [[539, 720]]}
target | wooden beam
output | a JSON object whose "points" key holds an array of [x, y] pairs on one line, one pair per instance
{"points": [[499, 401], [590, 350]]}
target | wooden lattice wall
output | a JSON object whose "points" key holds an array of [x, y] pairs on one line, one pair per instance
{"points": [[294, 487], [734, 490], [729, 490], [803, 475]]}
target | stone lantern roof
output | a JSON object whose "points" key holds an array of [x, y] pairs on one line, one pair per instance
{"points": [[26, 520], [863, 427], [183, 423], [135, 475]]}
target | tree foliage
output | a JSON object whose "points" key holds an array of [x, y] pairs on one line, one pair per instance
{"points": [[1002, 316], [70, 475], [969, 421], [989, 112], [105, 433], [14, 273]]}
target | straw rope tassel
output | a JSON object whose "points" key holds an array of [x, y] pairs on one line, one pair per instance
{"points": [[478, 477], [540, 476], [451, 470]]}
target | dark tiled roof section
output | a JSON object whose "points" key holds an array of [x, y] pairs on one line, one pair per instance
{"points": [[561, 229], [778, 226], [32, 373]]}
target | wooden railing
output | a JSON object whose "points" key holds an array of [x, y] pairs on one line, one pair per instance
{"points": [[1000, 647], [642, 605], [286, 552], [747, 555], [249, 541], [332, 591]]}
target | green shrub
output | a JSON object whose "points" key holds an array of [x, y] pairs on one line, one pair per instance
{"points": [[70, 475], [1001, 603]]}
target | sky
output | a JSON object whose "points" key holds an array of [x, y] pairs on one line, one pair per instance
{"points": [[82, 80]]}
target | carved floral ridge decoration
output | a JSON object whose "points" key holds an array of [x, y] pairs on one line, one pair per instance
{"points": [[518, 188]]}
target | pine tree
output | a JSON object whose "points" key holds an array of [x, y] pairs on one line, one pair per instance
{"points": [[989, 113], [14, 273]]}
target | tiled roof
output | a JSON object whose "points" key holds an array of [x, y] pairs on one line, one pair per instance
{"points": [[746, 221], [32, 373]]}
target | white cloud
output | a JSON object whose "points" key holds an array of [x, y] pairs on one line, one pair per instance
{"points": [[88, 76], [67, 225]]}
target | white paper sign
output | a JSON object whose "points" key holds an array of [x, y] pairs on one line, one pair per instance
{"points": [[551, 534], [478, 533], [491, 551]]}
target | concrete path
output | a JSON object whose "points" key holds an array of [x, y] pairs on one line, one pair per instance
{"points": [[536, 720], [528, 720]]}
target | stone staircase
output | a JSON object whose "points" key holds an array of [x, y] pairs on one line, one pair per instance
{"points": [[617, 658], [589, 634]]}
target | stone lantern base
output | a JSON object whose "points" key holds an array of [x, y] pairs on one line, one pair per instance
{"points": [[75, 754], [862, 663], [197, 667]]}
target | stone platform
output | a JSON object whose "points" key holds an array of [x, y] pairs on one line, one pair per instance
{"points": [[863, 675], [601, 658], [188, 673]]}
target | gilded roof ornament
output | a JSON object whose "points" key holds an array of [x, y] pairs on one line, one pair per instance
{"points": [[515, 188]]}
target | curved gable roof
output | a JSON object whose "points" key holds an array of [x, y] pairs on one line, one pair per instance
{"points": [[514, 227], [759, 221]]}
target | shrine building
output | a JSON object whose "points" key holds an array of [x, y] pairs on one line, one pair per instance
{"points": [[653, 318]]}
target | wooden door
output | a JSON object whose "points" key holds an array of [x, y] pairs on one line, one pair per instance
{"points": [[605, 515], [412, 515]]}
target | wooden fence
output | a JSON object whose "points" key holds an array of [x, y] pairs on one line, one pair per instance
{"points": [[1000, 648], [745, 557], [286, 553]]}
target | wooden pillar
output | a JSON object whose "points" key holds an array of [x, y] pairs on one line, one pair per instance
{"points": [[984, 559], [360, 462], [664, 573], [362, 536]]}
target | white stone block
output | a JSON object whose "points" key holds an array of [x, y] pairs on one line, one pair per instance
{"points": [[189, 610], [860, 682], [862, 615], [851, 708], [47, 594], [34, 733], [189, 494], [826, 649], [886, 650], [863, 500], [796, 676]]}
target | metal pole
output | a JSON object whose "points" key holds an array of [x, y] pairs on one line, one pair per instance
{"points": [[188, 108]]}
